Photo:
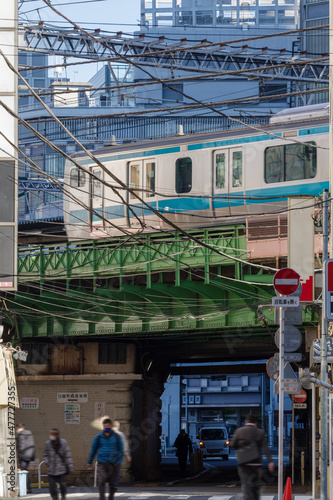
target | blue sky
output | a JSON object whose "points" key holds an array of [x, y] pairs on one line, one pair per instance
{"points": [[108, 15]]}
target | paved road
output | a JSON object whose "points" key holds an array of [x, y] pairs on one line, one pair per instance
{"points": [[158, 493]]}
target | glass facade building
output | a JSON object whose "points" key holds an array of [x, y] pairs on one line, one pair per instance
{"points": [[219, 13]]}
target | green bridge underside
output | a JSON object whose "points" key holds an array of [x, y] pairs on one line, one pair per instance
{"points": [[148, 285]]}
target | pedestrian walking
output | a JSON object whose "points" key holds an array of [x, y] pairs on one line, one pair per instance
{"points": [[58, 459], [109, 449], [25, 446], [249, 441], [184, 446], [126, 450]]}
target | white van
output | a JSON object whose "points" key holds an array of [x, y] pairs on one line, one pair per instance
{"points": [[214, 442]]}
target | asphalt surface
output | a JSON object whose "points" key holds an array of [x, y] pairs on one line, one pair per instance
{"points": [[218, 481]]}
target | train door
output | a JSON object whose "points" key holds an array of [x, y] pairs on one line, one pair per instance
{"points": [[96, 201], [135, 209], [220, 201], [236, 181], [149, 195], [227, 181]]}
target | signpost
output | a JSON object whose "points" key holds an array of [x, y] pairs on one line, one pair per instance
{"points": [[286, 282]]}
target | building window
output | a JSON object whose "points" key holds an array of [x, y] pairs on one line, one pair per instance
{"points": [[183, 175], [184, 400], [38, 354], [173, 92], [290, 162], [204, 17], [111, 354], [197, 399], [191, 400]]}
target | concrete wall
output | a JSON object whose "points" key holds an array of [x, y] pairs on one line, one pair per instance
{"points": [[113, 390]]}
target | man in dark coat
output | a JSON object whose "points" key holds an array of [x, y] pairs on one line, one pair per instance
{"points": [[250, 470], [58, 459], [183, 445], [25, 450]]}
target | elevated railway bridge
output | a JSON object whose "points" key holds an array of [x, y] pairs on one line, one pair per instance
{"points": [[107, 318]]}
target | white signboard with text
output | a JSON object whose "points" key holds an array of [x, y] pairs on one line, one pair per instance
{"points": [[29, 403], [72, 397], [72, 414]]}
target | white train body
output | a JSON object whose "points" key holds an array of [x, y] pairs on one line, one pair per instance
{"points": [[200, 180]]}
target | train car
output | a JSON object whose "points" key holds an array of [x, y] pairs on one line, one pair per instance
{"points": [[198, 180]]}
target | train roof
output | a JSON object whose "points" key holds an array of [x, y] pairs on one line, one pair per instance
{"points": [[284, 120], [314, 111]]}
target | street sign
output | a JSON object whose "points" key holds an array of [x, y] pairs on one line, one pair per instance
{"points": [[292, 338], [328, 289], [316, 351], [300, 398], [272, 368], [285, 302], [300, 406], [290, 357], [292, 315], [305, 378], [290, 385], [286, 281]]}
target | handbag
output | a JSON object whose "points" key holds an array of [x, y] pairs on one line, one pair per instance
{"points": [[248, 454]]}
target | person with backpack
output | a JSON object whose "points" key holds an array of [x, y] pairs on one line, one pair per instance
{"points": [[25, 446], [109, 448], [58, 458]]}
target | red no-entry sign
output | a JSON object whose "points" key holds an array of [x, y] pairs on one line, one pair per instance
{"points": [[300, 398], [286, 281]]}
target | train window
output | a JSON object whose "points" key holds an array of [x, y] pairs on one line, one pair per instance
{"points": [[237, 168], [220, 171], [135, 179], [183, 175], [150, 179], [77, 177], [301, 161], [290, 162], [97, 185], [274, 164]]}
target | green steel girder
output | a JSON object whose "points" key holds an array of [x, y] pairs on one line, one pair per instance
{"points": [[158, 284], [138, 310], [144, 254]]}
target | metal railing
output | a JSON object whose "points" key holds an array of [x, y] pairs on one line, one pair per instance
{"points": [[40, 475]]}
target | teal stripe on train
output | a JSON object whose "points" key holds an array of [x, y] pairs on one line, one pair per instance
{"points": [[185, 204], [233, 142]]}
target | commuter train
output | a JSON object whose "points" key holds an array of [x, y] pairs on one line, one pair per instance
{"points": [[198, 180]]}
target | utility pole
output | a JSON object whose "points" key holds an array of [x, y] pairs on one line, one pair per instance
{"points": [[323, 366], [281, 406]]}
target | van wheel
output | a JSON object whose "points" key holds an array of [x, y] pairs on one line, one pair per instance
{"points": [[225, 457]]}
